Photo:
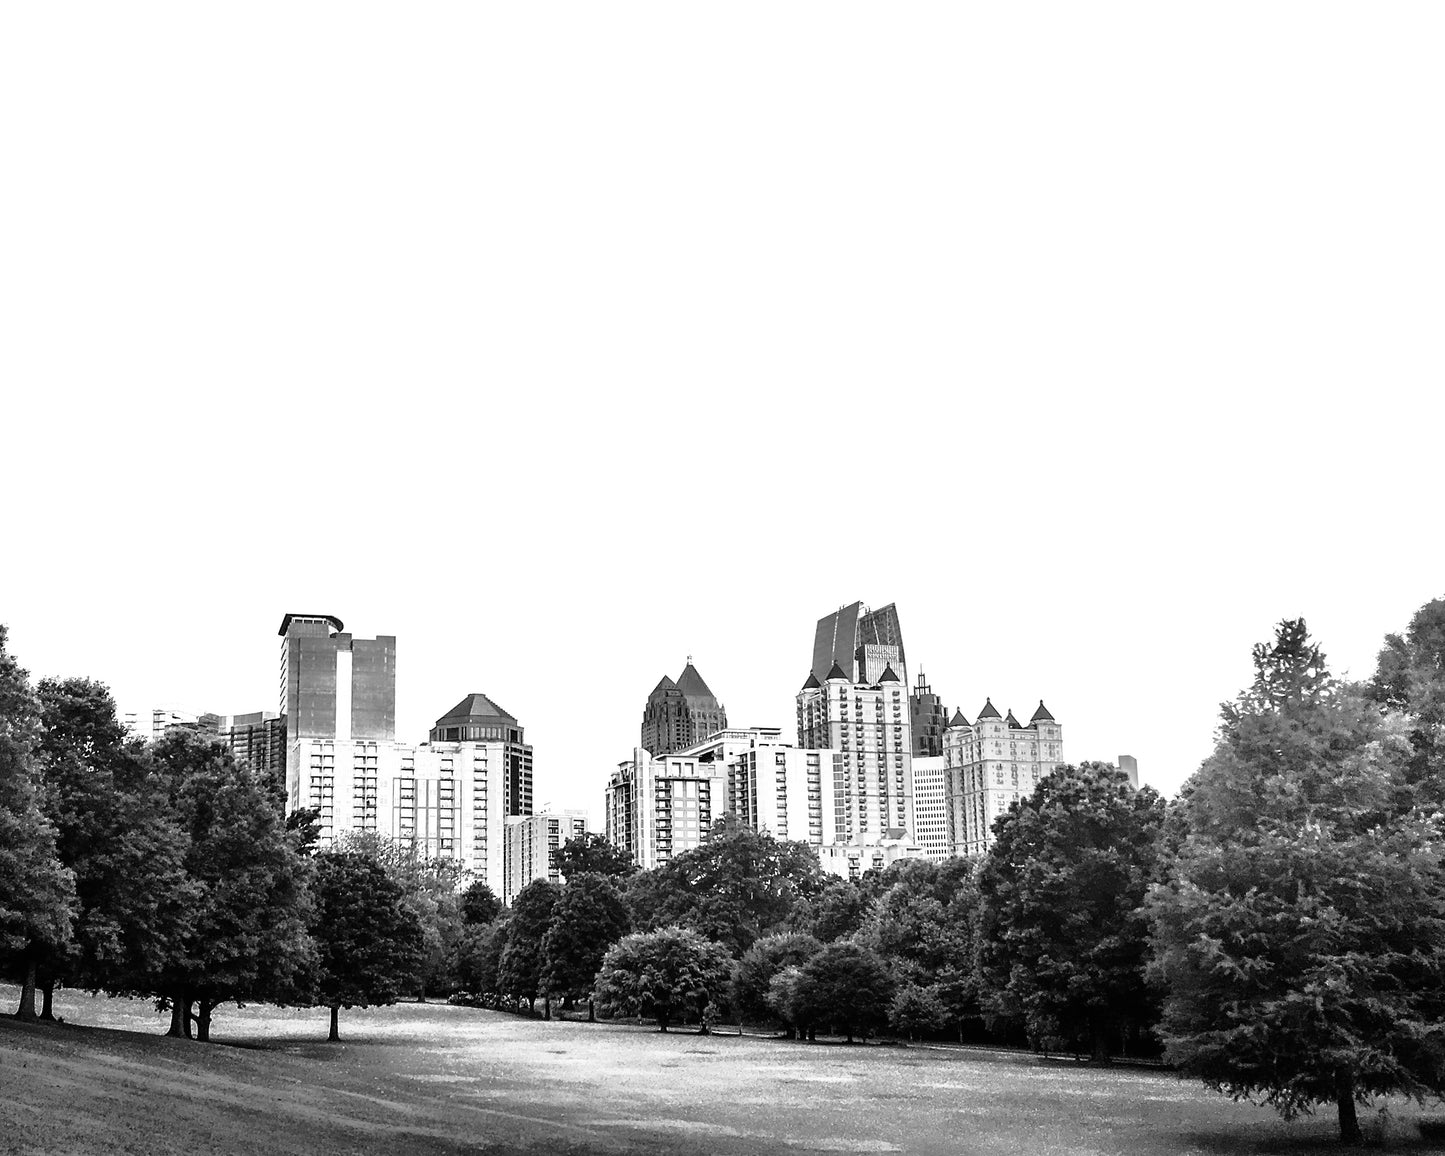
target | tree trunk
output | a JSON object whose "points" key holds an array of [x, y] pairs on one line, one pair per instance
{"points": [[188, 1017], [176, 1030], [1101, 1046], [203, 1021], [334, 1037], [547, 1006], [47, 994], [26, 1011], [662, 1023], [591, 1012], [1345, 1098]]}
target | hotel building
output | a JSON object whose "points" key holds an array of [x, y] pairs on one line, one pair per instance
{"points": [[989, 765]]}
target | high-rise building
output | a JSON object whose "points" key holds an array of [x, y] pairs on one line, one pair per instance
{"points": [[929, 718], [1130, 766], [930, 810], [531, 839], [334, 686], [660, 807], [449, 798], [477, 719], [681, 714], [258, 740], [990, 764], [860, 641], [868, 725]]}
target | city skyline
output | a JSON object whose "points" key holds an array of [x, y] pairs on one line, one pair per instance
{"points": [[1095, 339]]}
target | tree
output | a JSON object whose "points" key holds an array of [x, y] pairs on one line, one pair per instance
{"points": [[479, 958], [368, 940], [739, 885], [836, 911], [664, 974], [113, 832], [844, 985], [916, 1010], [479, 905], [1301, 930], [591, 854], [37, 892], [520, 974], [430, 890], [1063, 939], [248, 938], [1410, 681], [589, 917], [753, 974]]}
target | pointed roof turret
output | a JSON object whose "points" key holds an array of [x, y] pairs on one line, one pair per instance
{"points": [[1042, 714], [812, 683], [691, 683], [958, 720], [989, 711], [888, 675], [837, 672], [663, 687], [1013, 722]]}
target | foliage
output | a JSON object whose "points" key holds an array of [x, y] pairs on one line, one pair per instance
{"points": [[836, 911], [37, 892], [479, 904], [590, 916], [1064, 942], [1302, 930], [479, 959], [248, 938], [845, 985], [430, 890], [667, 974], [739, 885], [1410, 681], [591, 854], [520, 973], [128, 856], [753, 974], [916, 1011], [922, 921], [368, 940]]}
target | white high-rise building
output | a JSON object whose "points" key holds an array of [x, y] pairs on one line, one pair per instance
{"points": [[930, 809], [989, 765], [531, 839]]}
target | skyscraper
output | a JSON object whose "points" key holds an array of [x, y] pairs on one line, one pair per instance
{"points": [[991, 763], [867, 723], [681, 714], [929, 718], [860, 641], [333, 686]]}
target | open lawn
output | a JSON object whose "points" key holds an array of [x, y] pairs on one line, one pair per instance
{"points": [[429, 1078]]}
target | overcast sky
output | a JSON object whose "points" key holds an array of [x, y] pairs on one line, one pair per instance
{"points": [[563, 341]]}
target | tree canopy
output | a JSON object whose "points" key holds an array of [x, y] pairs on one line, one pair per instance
{"points": [[1301, 930], [1064, 940], [667, 974]]}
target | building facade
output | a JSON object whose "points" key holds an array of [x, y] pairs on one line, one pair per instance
{"points": [[680, 714], [861, 642], [989, 765], [930, 808], [659, 807], [531, 840], [868, 725], [929, 719]]}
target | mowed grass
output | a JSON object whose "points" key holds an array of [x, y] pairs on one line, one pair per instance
{"points": [[429, 1078]]}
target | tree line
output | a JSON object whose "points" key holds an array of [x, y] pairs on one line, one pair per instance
{"points": [[1276, 929]]}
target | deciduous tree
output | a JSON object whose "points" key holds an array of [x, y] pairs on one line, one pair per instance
{"points": [[590, 916], [1064, 941], [667, 974], [37, 892], [592, 854], [753, 974], [368, 940], [521, 973]]}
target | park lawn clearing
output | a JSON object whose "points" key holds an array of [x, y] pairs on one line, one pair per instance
{"points": [[431, 1078]]}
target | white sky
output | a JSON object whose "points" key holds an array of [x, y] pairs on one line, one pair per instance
{"points": [[566, 340]]}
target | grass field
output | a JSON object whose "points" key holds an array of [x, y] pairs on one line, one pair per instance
{"points": [[428, 1078]]}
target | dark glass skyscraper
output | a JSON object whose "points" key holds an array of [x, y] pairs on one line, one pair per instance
{"points": [[863, 642]]}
